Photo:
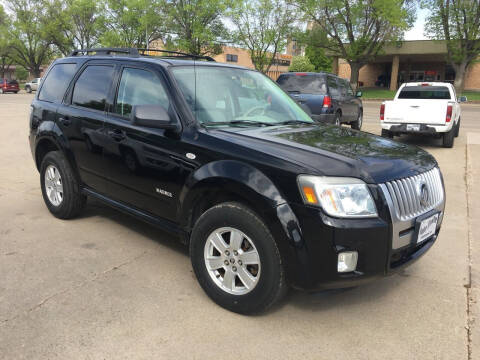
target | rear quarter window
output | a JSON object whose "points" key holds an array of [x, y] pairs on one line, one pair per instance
{"points": [[56, 82], [303, 84], [425, 92]]}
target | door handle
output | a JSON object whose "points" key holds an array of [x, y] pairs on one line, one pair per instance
{"points": [[65, 120], [117, 135]]}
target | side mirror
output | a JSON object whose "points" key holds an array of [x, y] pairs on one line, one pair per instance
{"points": [[153, 116], [462, 99], [359, 94]]}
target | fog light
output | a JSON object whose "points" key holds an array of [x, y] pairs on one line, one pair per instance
{"points": [[347, 261]]}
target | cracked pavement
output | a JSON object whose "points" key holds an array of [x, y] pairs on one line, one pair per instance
{"points": [[107, 286]]}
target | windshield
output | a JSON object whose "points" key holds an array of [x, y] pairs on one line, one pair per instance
{"points": [[425, 92], [229, 96], [303, 83]]}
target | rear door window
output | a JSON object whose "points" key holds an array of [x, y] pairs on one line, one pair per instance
{"points": [[91, 88], [139, 87], [303, 84], [425, 92], [333, 87], [56, 82]]}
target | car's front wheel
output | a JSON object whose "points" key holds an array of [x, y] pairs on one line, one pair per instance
{"points": [[28, 89], [357, 125], [60, 190], [236, 259]]}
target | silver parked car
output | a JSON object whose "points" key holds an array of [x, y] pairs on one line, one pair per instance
{"points": [[32, 85]]}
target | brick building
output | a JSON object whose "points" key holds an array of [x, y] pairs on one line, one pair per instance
{"points": [[405, 61]]}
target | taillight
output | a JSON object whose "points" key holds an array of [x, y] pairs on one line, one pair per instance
{"points": [[327, 101], [382, 112], [301, 74], [448, 117]]}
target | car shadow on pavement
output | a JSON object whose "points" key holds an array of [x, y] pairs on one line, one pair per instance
{"points": [[96, 208]]}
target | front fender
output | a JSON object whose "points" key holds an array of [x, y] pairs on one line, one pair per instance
{"points": [[260, 193]]}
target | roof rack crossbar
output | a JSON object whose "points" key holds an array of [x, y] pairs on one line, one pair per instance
{"points": [[177, 53], [105, 51]]}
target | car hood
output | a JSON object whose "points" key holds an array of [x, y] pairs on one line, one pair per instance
{"points": [[330, 150]]}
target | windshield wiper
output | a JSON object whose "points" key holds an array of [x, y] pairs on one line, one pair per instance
{"points": [[293, 122], [239, 122]]}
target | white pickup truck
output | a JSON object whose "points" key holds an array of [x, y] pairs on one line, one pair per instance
{"points": [[426, 108]]}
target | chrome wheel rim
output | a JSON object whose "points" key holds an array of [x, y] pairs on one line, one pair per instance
{"points": [[337, 121], [232, 261], [53, 185]]}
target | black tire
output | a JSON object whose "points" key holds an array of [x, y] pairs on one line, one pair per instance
{"points": [[338, 119], [271, 285], [457, 128], [449, 138], [73, 201], [357, 124], [28, 89], [387, 134]]}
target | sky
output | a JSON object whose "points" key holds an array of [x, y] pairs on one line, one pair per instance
{"points": [[416, 32]]}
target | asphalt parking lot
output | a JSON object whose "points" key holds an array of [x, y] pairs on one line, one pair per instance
{"points": [[106, 286]]}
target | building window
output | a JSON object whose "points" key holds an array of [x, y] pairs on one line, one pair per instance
{"points": [[281, 62], [232, 58]]}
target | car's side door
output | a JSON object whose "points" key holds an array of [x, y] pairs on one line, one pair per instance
{"points": [[351, 101], [335, 95], [143, 165], [82, 117]]}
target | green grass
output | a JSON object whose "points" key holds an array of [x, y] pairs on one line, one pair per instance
{"points": [[472, 95], [385, 94]]}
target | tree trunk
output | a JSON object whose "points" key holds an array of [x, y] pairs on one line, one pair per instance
{"points": [[36, 72], [460, 70], [354, 72]]}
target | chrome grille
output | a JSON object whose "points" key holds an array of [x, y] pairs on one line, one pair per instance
{"points": [[405, 194]]}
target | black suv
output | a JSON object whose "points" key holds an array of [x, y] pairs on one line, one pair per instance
{"points": [[222, 157], [328, 98]]}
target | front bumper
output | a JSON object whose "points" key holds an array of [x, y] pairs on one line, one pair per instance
{"points": [[324, 237], [425, 129]]}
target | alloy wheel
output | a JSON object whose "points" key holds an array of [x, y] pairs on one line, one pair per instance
{"points": [[53, 185], [232, 261]]}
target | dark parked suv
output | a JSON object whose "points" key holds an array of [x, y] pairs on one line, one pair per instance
{"points": [[329, 99], [219, 155]]}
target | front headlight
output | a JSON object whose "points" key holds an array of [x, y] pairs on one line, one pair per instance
{"points": [[338, 196]]}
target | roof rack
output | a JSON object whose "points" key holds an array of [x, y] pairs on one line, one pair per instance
{"points": [[137, 52], [105, 51], [176, 54]]}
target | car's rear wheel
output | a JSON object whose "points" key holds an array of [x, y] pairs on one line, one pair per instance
{"points": [[236, 259], [60, 190], [449, 138], [357, 125], [28, 89], [387, 134], [338, 119], [457, 128]]}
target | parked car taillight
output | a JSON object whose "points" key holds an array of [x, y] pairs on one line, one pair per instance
{"points": [[448, 117], [327, 101], [382, 112]]}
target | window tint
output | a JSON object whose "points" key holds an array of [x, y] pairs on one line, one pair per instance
{"points": [[333, 86], [303, 84], [425, 92], [56, 82], [139, 87], [91, 88]]}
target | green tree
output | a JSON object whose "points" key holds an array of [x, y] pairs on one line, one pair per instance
{"points": [[132, 22], [6, 60], [302, 64], [457, 22], [195, 26], [317, 56], [21, 73], [73, 24], [263, 26], [29, 46], [357, 30]]}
